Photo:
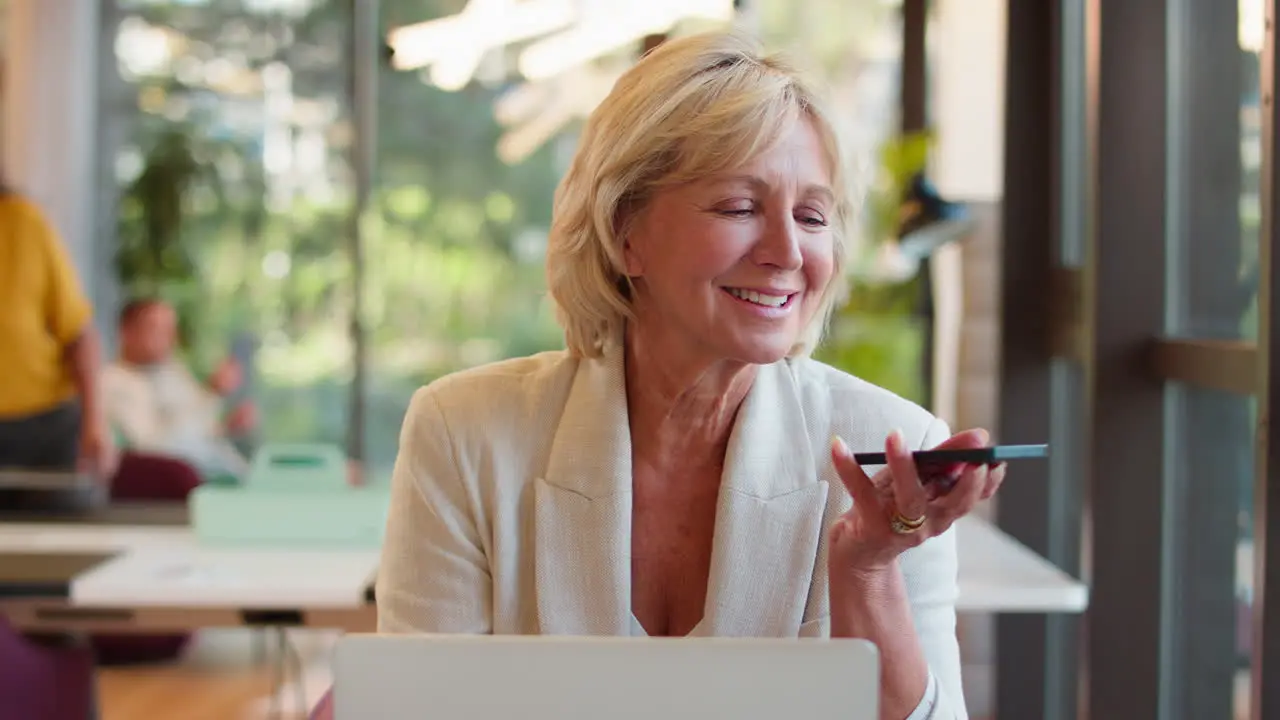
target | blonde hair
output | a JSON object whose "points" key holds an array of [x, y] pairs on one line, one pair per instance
{"points": [[692, 107]]}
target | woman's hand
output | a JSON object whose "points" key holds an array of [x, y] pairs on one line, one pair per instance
{"points": [[894, 511], [98, 454], [243, 419]]}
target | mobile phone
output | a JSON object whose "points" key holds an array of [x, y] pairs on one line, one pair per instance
{"points": [[939, 470], [963, 456]]}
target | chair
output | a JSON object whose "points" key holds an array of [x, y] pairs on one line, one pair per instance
{"points": [[153, 478], [146, 478], [43, 682]]}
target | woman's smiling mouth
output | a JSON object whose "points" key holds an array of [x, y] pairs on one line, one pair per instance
{"points": [[774, 301]]}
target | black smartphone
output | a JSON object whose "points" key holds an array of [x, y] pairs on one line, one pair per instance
{"points": [[967, 456], [939, 470]]}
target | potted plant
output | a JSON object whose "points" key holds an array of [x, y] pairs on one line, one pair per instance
{"points": [[153, 257], [876, 332]]}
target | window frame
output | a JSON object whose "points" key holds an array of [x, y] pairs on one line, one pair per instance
{"points": [[1265, 700], [1086, 130]]}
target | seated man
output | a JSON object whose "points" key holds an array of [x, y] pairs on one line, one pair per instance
{"points": [[158, 406]]}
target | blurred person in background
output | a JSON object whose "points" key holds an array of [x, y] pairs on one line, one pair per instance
{"points": [[51, 415], [157, 405], [52, 412]]}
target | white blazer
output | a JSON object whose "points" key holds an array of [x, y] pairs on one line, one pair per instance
{"points": [[511, 509]]}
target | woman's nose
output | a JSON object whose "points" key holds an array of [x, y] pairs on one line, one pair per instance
{"points": [[779, 245]]}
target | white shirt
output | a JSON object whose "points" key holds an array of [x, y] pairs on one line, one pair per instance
{"points": [[163, 409]]}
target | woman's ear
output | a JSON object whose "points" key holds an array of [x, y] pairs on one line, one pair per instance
{"points": [[629, 231], [630, 258]]}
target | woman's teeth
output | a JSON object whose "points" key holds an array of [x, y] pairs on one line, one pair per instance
{"points": [[773, 301]]}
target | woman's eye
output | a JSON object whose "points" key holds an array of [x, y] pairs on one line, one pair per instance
{"points": [[807, 217], [736, 208]]}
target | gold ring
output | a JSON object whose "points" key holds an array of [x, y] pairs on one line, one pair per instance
{"points": [[904, 525]]}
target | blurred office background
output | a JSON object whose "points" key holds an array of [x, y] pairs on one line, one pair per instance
{"points": [[279, 172], [355, 201]]}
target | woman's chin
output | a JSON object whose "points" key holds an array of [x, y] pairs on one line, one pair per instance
{"points": [[760, 351]]}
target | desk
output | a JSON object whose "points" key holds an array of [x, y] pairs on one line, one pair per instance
{"points": [[116, 514], [1001, 575], [157, 577]]}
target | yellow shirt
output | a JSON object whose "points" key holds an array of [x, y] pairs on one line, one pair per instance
{"points": [[42, 310]]}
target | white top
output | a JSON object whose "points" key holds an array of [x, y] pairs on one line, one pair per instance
{"points": [[511, 509], [163, 409]]}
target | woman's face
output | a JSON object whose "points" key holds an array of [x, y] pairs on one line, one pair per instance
{"points": [[734, 266]]}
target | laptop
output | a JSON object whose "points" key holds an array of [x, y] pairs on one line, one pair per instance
{"points": [[452, 677]]}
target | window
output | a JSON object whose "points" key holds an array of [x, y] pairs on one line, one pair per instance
{"points": [[244, 116], [1215, 160], [233, 127], [1168, 126]]}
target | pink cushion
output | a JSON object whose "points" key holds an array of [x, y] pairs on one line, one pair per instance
{"points": [[153, 478], [324, 708]]}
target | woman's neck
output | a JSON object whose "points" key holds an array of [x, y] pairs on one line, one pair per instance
{"points": [[681, 408]]}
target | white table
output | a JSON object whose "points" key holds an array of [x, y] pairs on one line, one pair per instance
{"points": [[160, 578], [165, 568], [999, 574]]}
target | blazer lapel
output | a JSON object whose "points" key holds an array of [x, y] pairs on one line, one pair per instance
{"points": [[583, 510], [769, 517]]}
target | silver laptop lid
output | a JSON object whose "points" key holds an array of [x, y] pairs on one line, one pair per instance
{"points": [[580, 678]]}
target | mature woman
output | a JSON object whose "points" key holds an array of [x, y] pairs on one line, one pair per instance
{"points": [[50, 414], [674, 471]]}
